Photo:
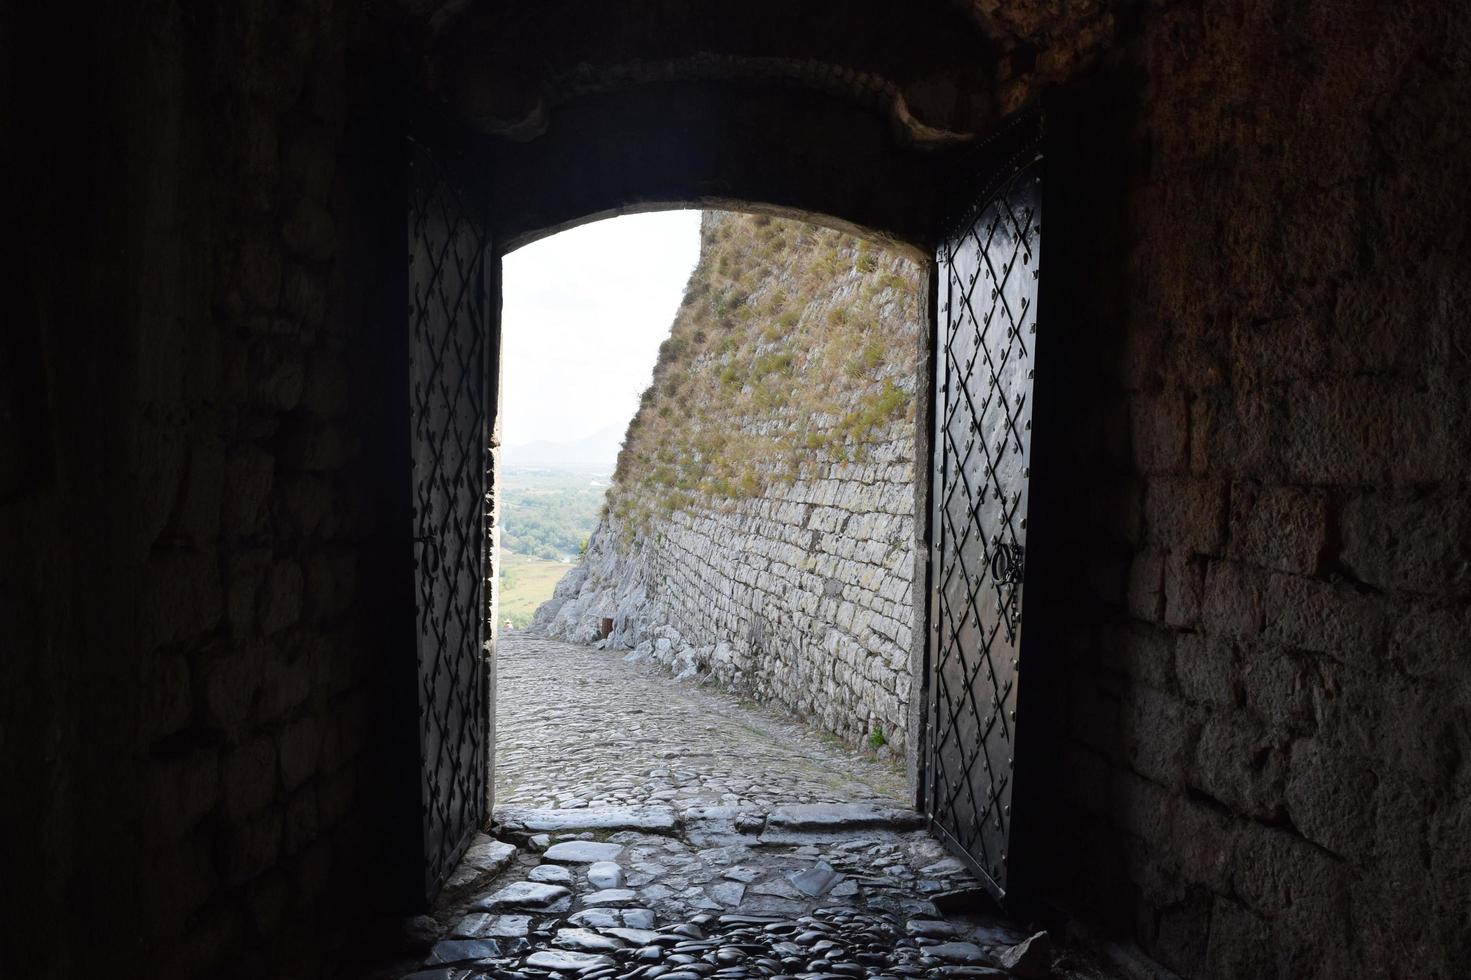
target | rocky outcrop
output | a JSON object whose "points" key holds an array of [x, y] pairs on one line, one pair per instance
{"points": [[760, 530]]}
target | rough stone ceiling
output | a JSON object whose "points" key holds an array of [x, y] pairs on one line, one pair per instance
{"points": [[1077, 26], [483, 94], [940, 71]]}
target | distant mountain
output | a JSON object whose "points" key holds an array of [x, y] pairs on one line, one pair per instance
{"points": [[598, 451]]}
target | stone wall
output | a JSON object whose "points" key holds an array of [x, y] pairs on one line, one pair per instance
{"points": [[1265, 721], [190, 689], [798, 593]]}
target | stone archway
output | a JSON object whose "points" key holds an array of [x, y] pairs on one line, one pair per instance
{"points": [[839, 826], [612, 172]]}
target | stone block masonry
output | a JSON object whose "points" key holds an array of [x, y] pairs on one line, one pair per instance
{"points": [[797, 593], [744, 597], [213, 718]]}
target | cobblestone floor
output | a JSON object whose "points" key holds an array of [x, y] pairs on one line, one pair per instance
{"points": [[649, 828], [580, 727]]}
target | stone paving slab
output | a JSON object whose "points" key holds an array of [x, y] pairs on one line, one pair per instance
{"points": [[650, 819], [582, 852], [840, 816]]}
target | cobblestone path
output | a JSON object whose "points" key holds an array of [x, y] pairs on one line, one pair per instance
{"points": [[649, 828], [580, 727]]}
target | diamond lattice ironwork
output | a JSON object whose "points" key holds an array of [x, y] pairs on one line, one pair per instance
{"points": [[449, 326], [988, 277]]}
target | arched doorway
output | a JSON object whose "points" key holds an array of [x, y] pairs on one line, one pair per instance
{"points": [[977, 432]]}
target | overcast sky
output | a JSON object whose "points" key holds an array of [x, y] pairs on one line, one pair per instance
{"points": [[583, 316]]}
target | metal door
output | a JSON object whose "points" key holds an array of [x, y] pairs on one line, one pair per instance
{"points": [[450, 331], [987, 279]]}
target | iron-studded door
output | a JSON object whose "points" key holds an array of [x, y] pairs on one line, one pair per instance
{"points": [[450, 331], [987, 278]]}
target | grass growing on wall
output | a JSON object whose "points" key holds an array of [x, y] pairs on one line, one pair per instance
{"points": [[794, 348]]}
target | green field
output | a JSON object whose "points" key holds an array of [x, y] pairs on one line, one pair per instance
{"points": [[525, 583], [546, 517], [549, 513]]}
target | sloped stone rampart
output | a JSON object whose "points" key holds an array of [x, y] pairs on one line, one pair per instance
{"points": [[797, 594], [802, 601]]}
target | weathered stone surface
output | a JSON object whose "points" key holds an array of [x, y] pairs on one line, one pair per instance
{"points": [[651, 819], [587, 941], [605, 874], [1030, 958], [462, 950], [594, 918], [419, 931], [610, 896], [1279, 527], [582, 851], [839, 816], [551, 874], [486, 857], [935, 928], [728, 893], [816, 880], [524, 895], [637, 918], [551, 959], [955, 952], [483, 925]]}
